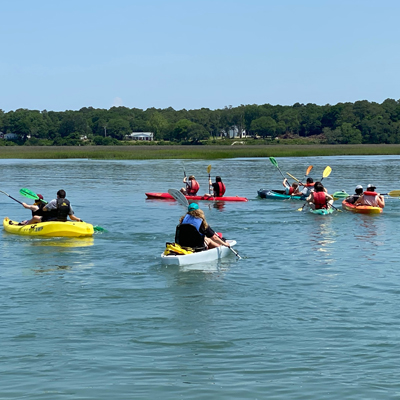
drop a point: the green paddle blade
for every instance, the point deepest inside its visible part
(273, 161)
(99, 229)
(29, 194)
(340, 195)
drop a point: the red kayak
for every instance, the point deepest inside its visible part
(163, 196)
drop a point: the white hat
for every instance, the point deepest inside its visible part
(359, 187)
(371, 186)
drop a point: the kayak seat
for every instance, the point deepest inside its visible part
(187, 235)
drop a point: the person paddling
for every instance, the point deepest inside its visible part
(319, 199)
(371, 198)
(354, 197)
(293, 189)
(37, 211)
(307, 189)
(196, 217)
(218, 187)
(192, 186)
(60, 208)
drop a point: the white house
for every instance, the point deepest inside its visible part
(141, 136)
(10, 136)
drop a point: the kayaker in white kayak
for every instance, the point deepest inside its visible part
(319, 199)
(371, 198)
(196, 217)
(354, 197)
(192, 186)
(60, 208)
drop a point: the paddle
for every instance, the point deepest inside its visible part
(11, 197)
(181, 199)
(393, 193)
(325, 174)
(275, 164)
(209, 179)
(310, 167)
(31, 195)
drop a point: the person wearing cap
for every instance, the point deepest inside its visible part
(354, 197)
(37, 210)
(192, 186)
(371, 198)
(196, 217)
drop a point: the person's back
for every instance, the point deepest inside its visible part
(59, 209)
(371, 198)
(219, 187)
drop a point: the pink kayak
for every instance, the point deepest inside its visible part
(167, 196)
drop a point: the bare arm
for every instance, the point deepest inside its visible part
(218, 240)
(30, 207)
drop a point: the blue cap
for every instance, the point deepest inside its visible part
(193, 206)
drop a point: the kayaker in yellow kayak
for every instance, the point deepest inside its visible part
(195, 217)
(60, 209)
(37, 211)
(371, 198)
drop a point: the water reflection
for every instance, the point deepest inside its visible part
(65, 242)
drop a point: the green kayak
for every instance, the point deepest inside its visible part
(322, 211)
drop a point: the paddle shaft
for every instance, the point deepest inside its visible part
(235, 253)
(11, 197)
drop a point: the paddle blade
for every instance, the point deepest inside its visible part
(309, 170)
(179, 197)
(327, 172)
(29, 194)
(99, 229)
(209, 169)
(394, 193)
(274, 162)
(287, 173)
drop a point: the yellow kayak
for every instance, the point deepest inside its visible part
(50, 228)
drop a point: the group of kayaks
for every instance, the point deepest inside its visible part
(341, 195)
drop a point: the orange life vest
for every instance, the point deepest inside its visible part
(194, 188)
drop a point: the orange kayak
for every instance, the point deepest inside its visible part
(361, 209)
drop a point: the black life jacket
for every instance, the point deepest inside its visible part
(63, 209)
(39, 211)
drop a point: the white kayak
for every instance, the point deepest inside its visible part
(200, 257)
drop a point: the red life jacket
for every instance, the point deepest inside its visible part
(222, 189)
(368, 193)
(309, 184)
(319, 200)
(291, 190)
(194, 188)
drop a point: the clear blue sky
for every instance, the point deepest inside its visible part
(191, 54)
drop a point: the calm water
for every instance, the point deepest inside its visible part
(312, 311)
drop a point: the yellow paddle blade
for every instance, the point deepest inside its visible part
(287, 173)
(327, 172)
(209, 169)
(394, 193)
(300, 209)
(309, 169)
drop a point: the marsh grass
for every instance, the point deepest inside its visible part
(191, 152)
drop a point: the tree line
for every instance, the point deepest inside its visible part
(352, 123)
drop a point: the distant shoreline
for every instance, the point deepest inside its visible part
(143, 152)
